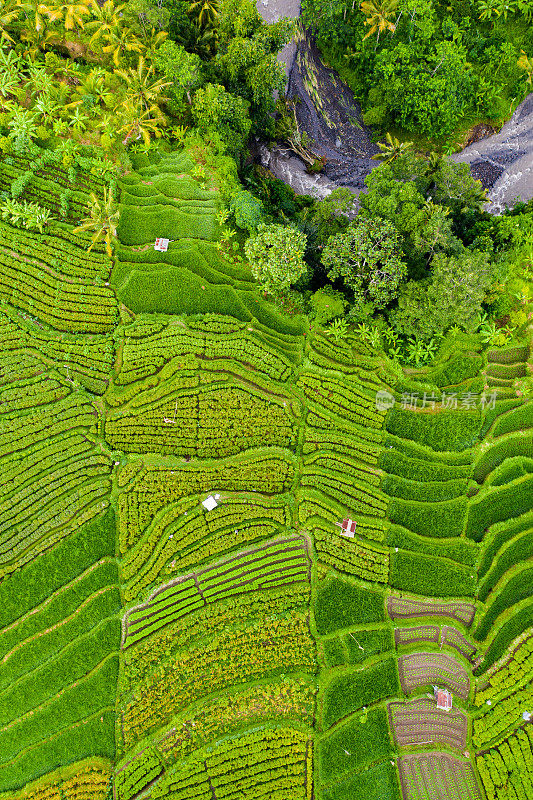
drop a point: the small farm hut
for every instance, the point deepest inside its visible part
(443, 698)
(211, 502)
(347, 527)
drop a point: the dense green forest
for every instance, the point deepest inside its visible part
(419, 259)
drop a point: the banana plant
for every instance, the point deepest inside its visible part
(338, 329)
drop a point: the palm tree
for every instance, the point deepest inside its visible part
(10, 76)
(379, 15)
(526, 64)
(103, 220)
(122, 40)
(391, 149)
(105, 19)
(205, 12)
(140, 123)
(111, 35)
(93, 91)
(72, 13)
(9, 12)
(34, 31)
(141, 87)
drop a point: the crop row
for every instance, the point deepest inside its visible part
(137, 774)
(236, 612)
(145, 355)
(66, 728)
(396, 462)
(267, 763)
(85, 359)
(32, 393)
(265, 648)
(158, 484)
(443, 431)
(507, 713)
(63, 256)
(212, 422)
(515, 670)
(343, 354)
(514, 586)
(315, 505)
(407, 608)
(425, 669)
(436, 776)
(345, 436)
(342, 443)
(430, 576)
(348, 467)
(85, 780)
(495, 504)
(417, 722)
(354, 557)
(224, 714)
(507, 771)
(350, 691)
(71, 307)
(354, 648)
(357, 495)
(341, 398)
(283, 562)
(517, 550)
(187, 536)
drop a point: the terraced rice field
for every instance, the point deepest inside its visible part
(151, 648)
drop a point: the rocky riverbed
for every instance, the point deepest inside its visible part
(327, 110)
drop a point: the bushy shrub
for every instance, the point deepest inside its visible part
(216, 111)
(248, 211)
(275, 254)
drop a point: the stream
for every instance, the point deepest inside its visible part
(328, 112)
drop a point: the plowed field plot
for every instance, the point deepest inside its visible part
(407, 608)
(420, 722)
(454, 638)
(423, 669)
(434, 776)
(422, 633)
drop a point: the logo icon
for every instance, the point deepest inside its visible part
(384, 400)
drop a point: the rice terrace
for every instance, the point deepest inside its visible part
(266, 519)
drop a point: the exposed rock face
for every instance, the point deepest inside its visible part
(504, 161)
